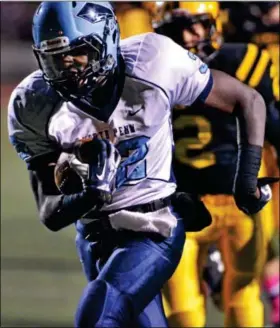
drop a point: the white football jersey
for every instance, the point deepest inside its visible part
(159, 74)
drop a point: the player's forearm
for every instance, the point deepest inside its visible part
(58, 212)
(251, 114)
(230, 95)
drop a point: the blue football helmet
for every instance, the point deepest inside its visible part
(76, 29)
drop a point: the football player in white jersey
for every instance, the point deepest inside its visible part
(120, 95)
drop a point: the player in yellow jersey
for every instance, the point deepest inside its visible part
(205, 161)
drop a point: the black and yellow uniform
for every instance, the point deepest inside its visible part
(205, 162)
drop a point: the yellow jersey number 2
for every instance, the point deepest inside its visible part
(198, 142)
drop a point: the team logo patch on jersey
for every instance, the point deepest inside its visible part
(192, 55)
(203, 68)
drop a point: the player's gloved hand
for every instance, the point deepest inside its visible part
(96, 162)
(253, 203)
(250, 193)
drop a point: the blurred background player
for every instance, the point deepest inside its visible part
(207, 152)
(204, 161)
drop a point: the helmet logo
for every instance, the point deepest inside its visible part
(95, 13)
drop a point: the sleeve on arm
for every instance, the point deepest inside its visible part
(183, 76)
(193, 79)
(27, 132)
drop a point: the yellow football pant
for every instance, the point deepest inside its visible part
(242, 241)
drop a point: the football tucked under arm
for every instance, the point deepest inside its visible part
(92, 164)
(72, 168)
(67, 191)
(56, 209)
(67, 180)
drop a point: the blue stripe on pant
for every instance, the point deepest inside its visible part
(127, 277)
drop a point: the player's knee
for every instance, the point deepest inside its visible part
(244, 294)
(102, 305)
(244, 281)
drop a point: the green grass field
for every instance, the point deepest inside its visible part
(41, 277)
